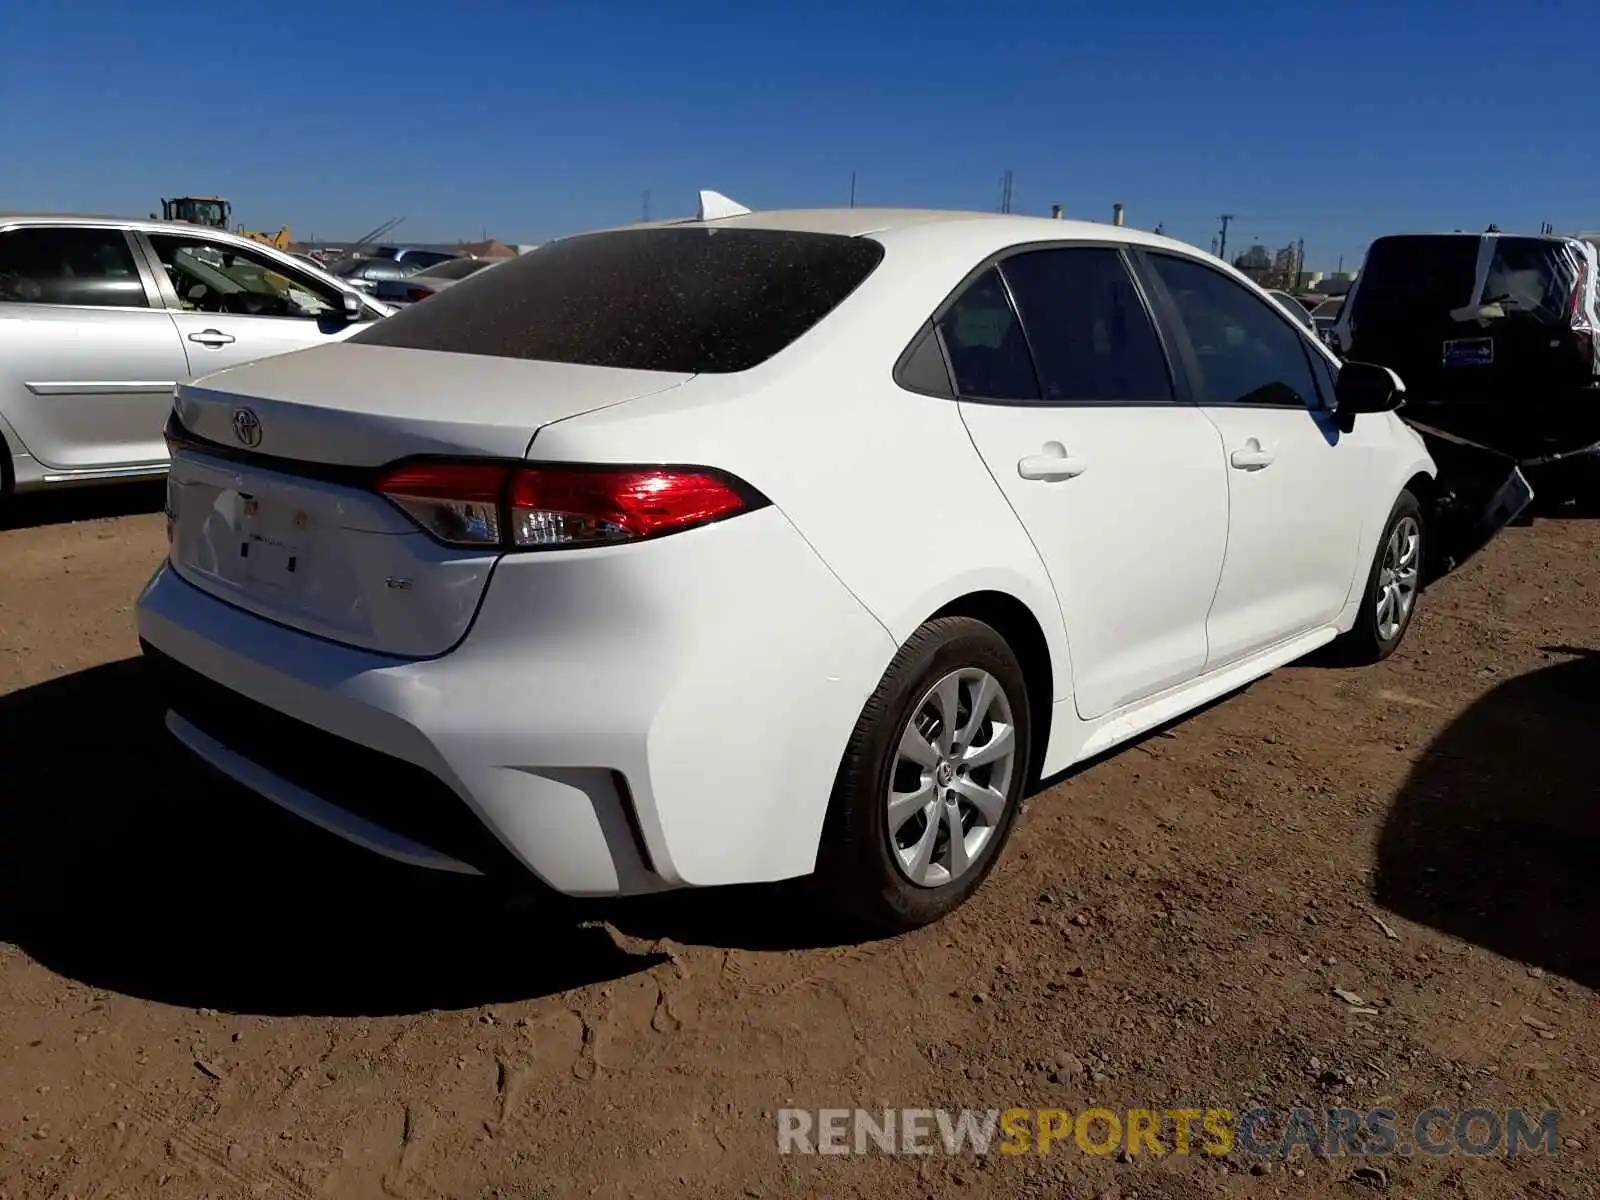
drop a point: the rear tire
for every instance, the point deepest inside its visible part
(1394, 581)
(942, 745)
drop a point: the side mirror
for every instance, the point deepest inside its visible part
(353, 308)
(1365, 388)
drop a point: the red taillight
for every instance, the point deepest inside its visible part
(1575, 303)
(415, 294)
(553, 507)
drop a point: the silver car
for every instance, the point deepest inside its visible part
(101, 318)
(431, 281)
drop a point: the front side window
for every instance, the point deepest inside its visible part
(1092, 340)
(216, 277)
(681, 299)
(1247, 352)
(985, 345)
(47, 265)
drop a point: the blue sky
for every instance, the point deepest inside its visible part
(1331, 121)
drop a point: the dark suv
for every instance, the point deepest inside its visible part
(1494, 336)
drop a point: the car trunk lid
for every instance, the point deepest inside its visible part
(271, 499)
(360, 405)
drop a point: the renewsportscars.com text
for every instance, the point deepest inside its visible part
(1263, 1132)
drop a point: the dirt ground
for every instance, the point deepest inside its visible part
(201, 997)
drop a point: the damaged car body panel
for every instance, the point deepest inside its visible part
(1478, 493)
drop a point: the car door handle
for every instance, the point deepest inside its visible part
(1252, 457)
(1053, 464)
(211, 337)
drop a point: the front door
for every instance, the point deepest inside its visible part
(1120, 486)
(233, 305)
(87, 361)
(1297, 486)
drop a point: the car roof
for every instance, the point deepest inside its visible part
(1468, 233)
(98, 221)
(960, 231)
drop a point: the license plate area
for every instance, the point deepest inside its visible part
(1468, 352)
(273, 541)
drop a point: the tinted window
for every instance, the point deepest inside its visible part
(984, 342)
(1532, 279)
(1247, 352)
(1091, 337)
(69, 266)
(217, 277)
(675, 299)
(1406, 280)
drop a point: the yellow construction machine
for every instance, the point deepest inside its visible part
(217, 213)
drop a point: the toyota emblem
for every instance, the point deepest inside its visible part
(247, 427)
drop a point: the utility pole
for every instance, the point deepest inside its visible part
(852, 189)
(1222, 238)
(1005, 191)
(646, 205)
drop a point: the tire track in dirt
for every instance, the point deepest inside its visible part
(176, 1135)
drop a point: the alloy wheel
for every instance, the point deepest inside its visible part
(951, 778)
(1398, 574)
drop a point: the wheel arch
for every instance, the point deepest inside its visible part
(1013, 620)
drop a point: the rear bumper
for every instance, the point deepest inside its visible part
(619, 721)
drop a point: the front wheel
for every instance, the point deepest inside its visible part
(931, 780)
(1393, 584)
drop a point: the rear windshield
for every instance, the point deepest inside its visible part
(1407, 278)
(1427, 278)
(1531, 278)
(681, 299)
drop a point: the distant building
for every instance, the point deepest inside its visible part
(1256, 262)
(1335, 283)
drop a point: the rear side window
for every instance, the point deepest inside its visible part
(985, 345)
(69, 266)
(1091, 337)
(682, 299)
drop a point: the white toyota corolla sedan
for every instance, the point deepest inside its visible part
(764, 545)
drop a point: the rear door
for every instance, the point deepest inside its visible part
(1119, 483)
(1297, 486)
(88, 357)
(234, 305)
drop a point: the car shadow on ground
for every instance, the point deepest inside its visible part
(127, 865)
(32, 509)
(1495, 834)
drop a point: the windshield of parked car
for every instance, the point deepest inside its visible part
(682, 299)
(456, 268)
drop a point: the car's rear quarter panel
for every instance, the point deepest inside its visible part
(884, 483)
